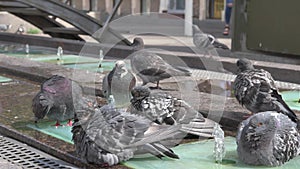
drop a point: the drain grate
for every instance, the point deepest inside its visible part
(26, 157)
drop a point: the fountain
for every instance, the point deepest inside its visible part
(59, 53)
(101, 57)
(219, 149)
(111, 100)
(27, 49)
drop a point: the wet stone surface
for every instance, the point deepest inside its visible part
(16, 99)
(16, 113)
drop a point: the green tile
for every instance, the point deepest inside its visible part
(4, 79)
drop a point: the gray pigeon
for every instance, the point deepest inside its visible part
(21, 29)
(205, 41)
(255, 89)
(5, 27)
(57, 99)
(152, 68)
(267, 138)
(137, 43)
(119, 83)
(165, 109)
(107, 136)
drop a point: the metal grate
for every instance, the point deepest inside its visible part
(22, 156)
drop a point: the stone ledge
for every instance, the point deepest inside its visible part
(39, 72)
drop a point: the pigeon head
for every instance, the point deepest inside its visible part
(196, 30)
(140, 92)
(244, 64)
(211, 38)
(121, 69)
(41, 104)
(138, 41)
(120, 64)
(264, 123)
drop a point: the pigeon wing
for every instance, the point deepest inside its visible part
(148, 63)
(162, 108)
(256, 90)
(116, 132)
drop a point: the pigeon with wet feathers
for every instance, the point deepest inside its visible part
(152, 68)
(165, 109)
(107, 136)
(268, 138)
(119, 83)
(57, 99)
(255, 89)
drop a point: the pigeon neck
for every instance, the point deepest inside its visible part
(244, 68)
(137, 102)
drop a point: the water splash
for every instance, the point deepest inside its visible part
(101, 57)
(219, 149)
(111, 100)
(59, 54)
(27, 49)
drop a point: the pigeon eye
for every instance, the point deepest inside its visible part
(259, 124)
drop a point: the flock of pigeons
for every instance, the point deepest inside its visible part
(271, 136)
(152, 121)
(5, 27)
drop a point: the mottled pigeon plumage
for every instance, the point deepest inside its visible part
(163, 108)
(107, 136)
(119, 83)
(267, 138)
(205, 41)
(57, 99)
(152, 68)
(255, 89)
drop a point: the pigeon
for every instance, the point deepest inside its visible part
(267, 138)
(57, 99)
(255, 89)
(205, 41)
(21, 29)
(164, 109)
(5, 27)
(107, 136)
(137, 43)
(119, 83)
(152, 68)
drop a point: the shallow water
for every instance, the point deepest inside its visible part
(16, 95)
(70, 61)
(16, 113)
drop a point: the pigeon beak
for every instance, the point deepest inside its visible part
(35, 119)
